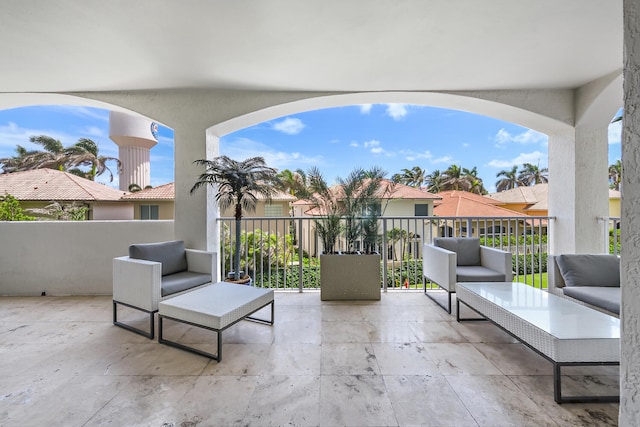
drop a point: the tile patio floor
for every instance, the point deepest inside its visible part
(399, 362)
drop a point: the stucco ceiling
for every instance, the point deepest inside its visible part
(324, 45)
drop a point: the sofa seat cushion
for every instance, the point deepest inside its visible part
(607, 298)
(476, 273)
(183, 281)
(589, 270)
(171, 255)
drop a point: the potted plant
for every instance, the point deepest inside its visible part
(238, 184)
(351, 208)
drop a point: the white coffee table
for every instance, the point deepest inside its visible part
(215, 307)
(560, 330)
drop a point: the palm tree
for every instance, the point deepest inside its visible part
(532, 174)
(510, 180)
(360, 193)
(456, 179)
(85, 153)
(326, 203)
(56, 156)
(476, 185)
(435, 181)
(239, 183)
(615, 175)
(293, 182)
(413, 177)
(15, 163)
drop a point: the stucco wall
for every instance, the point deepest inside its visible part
(68, 257)
(112, 211)
(630, 227)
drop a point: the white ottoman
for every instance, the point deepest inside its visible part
(214, 307)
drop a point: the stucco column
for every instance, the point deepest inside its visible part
(578, 191)
(191, 210)
(630, 227)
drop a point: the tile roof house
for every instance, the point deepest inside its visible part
(153, 203)
(489, 215)
(158, 203)
(398, 200)
(38, 188)
(533, 200)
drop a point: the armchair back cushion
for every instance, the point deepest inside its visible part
(171, 254)
(589, 270)
(467, 249)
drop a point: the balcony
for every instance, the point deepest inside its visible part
(398, 361)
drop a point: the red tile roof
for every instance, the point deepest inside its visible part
(463, 204)
(168, 192)
(161, 192)
(390, 190)
(536, 196)
(51, 184)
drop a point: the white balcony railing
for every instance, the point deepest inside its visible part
(283, 253)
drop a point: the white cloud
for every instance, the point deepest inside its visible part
(243, 148)
(411, 155)
(290, 126)
(93, 131)
(444, 159)
(365, 108)
(86, 112)
(529, 136)
(372, 143)
(397, 111)
(11, 135)
(353, 144)
(615, 132)
(535, 158)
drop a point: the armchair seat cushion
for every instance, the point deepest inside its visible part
(477, 273)
(182, 281)
(606, 297)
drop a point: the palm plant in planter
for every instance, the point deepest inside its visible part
(353, 208)
(238, 183)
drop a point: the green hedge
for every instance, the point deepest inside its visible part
(523, 262)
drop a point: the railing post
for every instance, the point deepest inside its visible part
(384, 254)
(300, 253)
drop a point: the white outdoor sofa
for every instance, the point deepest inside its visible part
(154, 272)
(588, 279)
(462, 259)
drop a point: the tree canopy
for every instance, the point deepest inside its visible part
(73, 159)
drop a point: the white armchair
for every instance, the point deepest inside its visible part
(156, 271)
(457, 259)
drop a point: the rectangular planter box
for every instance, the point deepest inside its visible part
(349, 277)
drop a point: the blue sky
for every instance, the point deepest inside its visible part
(392, 136)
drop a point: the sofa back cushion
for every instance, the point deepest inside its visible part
(589, 269)
(171, 254)
(466, 248)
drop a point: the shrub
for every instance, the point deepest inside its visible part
(522, 263)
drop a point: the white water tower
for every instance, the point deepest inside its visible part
(134, 137)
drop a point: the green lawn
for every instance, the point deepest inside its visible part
(528, 279)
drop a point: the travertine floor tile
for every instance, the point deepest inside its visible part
(355, 400)
(439, 407)
(494, 400)
(398, 361)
